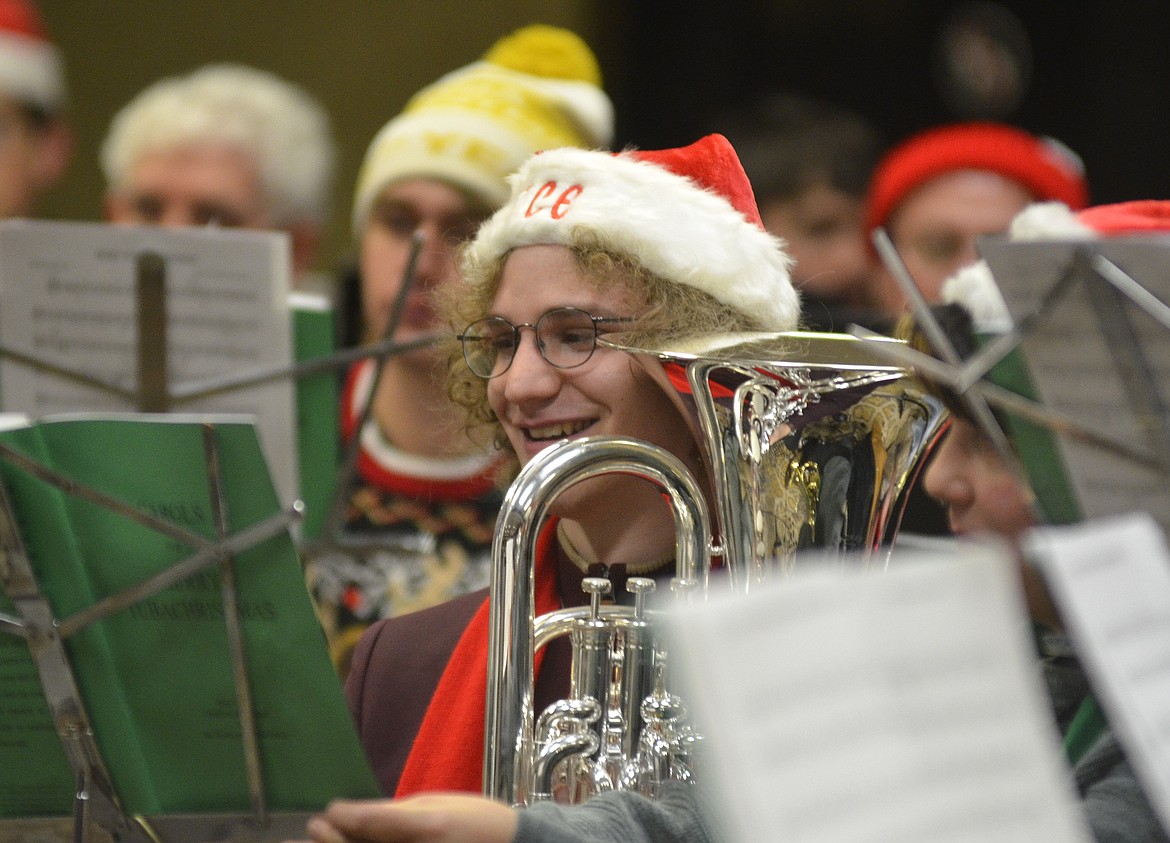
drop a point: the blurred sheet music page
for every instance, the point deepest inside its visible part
(1096, 355)
(67, 296)
(1111, 579)
(846, 706)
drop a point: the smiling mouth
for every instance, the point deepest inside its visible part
(555, 431)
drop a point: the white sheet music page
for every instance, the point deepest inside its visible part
(845, 706)
(1111, 580)
(67, 296)
(1096, 355)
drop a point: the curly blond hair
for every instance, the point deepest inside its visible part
(675, 309)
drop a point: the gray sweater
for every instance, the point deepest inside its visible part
(1115, 806)
(620, 817)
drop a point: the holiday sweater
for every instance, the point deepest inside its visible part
(417, 531)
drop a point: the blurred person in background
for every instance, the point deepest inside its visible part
(226, 145)
(809, 162)
(420, 511)
(938, 191)
(989, 493)
(36, 141)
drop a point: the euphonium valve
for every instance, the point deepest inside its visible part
(591, 737)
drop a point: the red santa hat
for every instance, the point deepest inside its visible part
(30, 66)
(1043, 166)
(973, 286)
(1141, 216)
(688, 215)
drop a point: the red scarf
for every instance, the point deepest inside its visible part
(448, 750)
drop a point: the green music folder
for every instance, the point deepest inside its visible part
(156, 677)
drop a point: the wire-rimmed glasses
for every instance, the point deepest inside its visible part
(565, 336)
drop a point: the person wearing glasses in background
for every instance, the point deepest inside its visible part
(589, 243)
(420, 510)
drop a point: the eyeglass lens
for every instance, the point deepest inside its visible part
(565, 337)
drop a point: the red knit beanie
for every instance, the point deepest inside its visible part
(1041, 165)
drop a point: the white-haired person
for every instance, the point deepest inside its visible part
(36, 141)
(421, 508)
(225, 145)
(588, 243)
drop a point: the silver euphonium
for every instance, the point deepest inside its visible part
(808, 440)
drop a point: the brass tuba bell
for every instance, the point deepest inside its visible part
(808, 439)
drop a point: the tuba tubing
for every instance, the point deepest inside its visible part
(508, 726)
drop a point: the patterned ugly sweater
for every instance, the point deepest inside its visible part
(417, 531)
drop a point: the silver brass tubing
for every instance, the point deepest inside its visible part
(508, 726)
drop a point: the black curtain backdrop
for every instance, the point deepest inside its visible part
(1099, 81)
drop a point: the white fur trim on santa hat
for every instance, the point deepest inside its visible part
(30, 71)
(669, 224)
(975, 289)
(1048, 221)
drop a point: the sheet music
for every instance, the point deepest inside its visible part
(844, 705)
(1111, 580)
(67, 296)
(1096, 355)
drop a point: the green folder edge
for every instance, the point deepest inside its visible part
(317, 412)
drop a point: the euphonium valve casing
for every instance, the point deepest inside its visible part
(514, 630)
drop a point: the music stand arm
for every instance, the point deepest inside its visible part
(95, 800)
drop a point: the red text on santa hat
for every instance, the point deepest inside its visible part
(557, 207)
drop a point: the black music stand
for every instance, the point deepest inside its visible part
(97, 809)
(154, 391)
(1091, 322)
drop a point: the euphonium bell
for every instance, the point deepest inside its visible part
(808, 439)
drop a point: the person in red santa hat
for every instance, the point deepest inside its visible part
(989, 493)
(36, 141)
(589, 243)
(938, 191)
(984, 495)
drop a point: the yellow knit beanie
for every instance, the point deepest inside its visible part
(537, 88)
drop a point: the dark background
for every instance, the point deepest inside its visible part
(1096, 76)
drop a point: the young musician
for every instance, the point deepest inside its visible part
(984, 494)
(588, 243)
